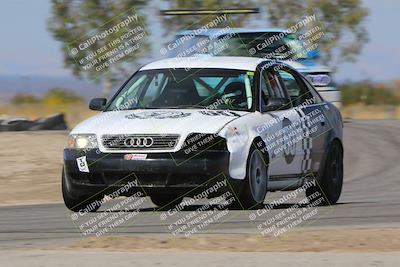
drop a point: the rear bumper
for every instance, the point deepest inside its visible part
(159, 173)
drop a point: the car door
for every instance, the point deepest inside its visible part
(281, 131)
(313, 121)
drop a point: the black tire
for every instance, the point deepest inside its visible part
(166, 200)
(331, 178)
(255, 186)
(87, 203)
(18, 125)
(53, 122)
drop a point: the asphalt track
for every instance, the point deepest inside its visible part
(370, 198)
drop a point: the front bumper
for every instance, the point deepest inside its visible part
(160, 173)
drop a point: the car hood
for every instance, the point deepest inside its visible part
(158, 121)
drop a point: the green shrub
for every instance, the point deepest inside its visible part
(60, 97)
(368, 93)
(23, 98)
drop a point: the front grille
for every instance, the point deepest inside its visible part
(140, 141)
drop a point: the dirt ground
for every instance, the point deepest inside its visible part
(30, 167)
(330, 240)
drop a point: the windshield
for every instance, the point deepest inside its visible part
(179, 88)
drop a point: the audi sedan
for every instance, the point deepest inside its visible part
(202, 127)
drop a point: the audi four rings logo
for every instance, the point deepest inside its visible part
(139, 142)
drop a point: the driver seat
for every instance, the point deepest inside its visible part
(175, 93)
(236, 91)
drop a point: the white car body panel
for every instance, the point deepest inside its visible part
(238, 143)
(116, 122)
(239, 128)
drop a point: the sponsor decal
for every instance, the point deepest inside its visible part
(158, 115)
(135, 156)
(82, 164)
(250, 73)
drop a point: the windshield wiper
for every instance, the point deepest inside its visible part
(176, 107)
(191, 106)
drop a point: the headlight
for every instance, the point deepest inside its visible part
(319, 79)
(82, 141)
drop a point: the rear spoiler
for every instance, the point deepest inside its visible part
(183, 12)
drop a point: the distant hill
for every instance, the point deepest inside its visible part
(38, 85)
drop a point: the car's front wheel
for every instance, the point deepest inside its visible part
(87, 203)
(255, 187)
(329, 187)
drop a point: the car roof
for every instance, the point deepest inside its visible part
(237, 63)
(223, 31)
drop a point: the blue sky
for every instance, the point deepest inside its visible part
(28, 49)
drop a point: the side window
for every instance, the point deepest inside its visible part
(296, 89)
(273, 81)
(315, 94)
(270, 86)
(264, 89)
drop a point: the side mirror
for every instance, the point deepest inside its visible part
(97, 103)
(275, 104)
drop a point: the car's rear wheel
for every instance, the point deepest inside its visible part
(166, 200)
(255, 187)
(86, 203)
(330, 184)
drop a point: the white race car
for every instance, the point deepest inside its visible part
(177, 126)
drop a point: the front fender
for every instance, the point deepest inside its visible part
(239, 136)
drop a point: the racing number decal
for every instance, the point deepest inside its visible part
(289, 146)
(306, 143)
(82, 164)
